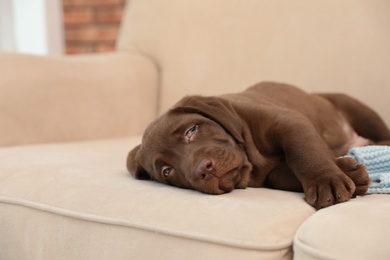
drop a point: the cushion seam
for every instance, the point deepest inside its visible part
(134, 224)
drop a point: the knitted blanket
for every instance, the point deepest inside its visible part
(377, 161)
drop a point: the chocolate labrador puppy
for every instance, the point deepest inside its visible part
(271, 135)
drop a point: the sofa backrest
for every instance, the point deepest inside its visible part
(220, 46)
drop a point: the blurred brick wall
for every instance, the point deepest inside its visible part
(91, 25)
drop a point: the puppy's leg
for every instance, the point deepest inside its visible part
(312, 162)
(282, 178)
(365, 121)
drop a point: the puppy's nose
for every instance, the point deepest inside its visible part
(205, 169)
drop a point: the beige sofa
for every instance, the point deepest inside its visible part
(67, 123)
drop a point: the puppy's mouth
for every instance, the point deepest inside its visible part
(229, 180)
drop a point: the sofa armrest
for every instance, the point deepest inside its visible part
(70, 98)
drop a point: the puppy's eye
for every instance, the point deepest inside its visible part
(166, 170)
(191, 131)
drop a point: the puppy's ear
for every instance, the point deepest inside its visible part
(216, 109)
(134, 166)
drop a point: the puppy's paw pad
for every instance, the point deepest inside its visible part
(327, 191)
(357, 172)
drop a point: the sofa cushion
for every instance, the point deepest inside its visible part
(67, 98)
(77, 201)
(359, 229)
(219, 46)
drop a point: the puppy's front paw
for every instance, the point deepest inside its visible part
(329, 190)
(357, 172)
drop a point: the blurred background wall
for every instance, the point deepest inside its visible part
(59, 27)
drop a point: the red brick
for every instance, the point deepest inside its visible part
(77, 48)
(86, 34)
(91, 25)
(78, 16)
(109, 15)
(91, 2)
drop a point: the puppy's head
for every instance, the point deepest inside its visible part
(198, 145)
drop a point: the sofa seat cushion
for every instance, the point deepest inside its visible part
(77, 201)
(359, 229)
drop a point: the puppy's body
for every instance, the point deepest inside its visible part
(271, 135)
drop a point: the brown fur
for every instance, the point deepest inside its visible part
(271, 135)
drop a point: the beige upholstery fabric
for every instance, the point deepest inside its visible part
(226, 46)
(54, 99)
(84, 205)
(358, 229)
